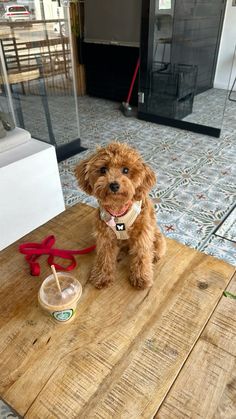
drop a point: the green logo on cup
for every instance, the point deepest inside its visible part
(63, 316)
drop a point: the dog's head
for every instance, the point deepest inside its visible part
(115, 174)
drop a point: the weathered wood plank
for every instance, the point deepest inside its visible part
(125, 348)
(206, 386)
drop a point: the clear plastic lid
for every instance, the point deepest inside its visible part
(71, 290)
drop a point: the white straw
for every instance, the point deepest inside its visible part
(56, 277)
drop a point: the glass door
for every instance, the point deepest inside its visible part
(36, 42)
(179, 50)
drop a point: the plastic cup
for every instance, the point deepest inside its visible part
(60, 306)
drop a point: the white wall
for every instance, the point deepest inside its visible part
(226, 51)
(51, 9)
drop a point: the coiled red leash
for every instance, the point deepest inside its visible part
(33, 251)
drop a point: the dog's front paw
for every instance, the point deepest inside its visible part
(100, 279)
(140, 282)
(159, 247)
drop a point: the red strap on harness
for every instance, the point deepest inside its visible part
(34, 250)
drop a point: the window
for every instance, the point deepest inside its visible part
(16, 9)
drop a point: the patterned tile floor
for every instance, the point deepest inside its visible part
(6, 412)
(208, 108)
(228, 228)
(195, 190)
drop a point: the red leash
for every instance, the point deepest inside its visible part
(34, 250)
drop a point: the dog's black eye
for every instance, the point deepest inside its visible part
(103, 170)
(125, 170)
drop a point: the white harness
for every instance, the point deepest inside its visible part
(120, 225)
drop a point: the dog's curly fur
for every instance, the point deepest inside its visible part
(146, 244)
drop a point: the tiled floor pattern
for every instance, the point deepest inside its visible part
(6, 412)
(228, 228)
(196, 174)
(208, 108)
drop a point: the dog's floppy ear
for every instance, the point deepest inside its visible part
(148, 182)
(82, 175)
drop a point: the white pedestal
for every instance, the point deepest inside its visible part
(30, 189)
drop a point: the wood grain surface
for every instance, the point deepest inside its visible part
(125, 348)
(206, 386)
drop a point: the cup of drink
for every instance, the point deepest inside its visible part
(59, 296)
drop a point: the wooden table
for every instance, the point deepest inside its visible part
(167, 352)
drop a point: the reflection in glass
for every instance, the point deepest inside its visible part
(7, 114)
(36, 44)
(183, 45)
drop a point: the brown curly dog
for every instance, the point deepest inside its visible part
(120, 180)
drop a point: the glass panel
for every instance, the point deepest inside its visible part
(36, 44)
(183, 46)
(232, 80)
(7, 115)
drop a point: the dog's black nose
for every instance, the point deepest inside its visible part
(114, 186)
